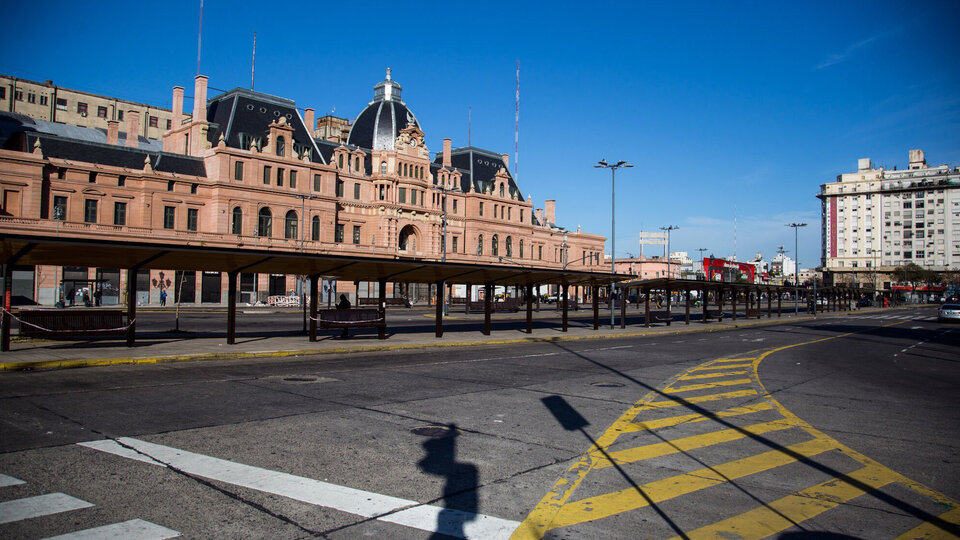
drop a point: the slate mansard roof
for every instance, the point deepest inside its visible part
(478, 168)
(377, 126)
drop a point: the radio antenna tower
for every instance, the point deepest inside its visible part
(253, 64)
(199, 37)
(516, 132)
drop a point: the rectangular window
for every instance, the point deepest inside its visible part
(62, 104)
(266, 174)
(293, 179)
(356, 234)
(356, 191)
(338, 233)
(82, 108)
(509, 213)
(169, 213)
(169, 123)
(119, 213)
(454, 206)
(93, 177)
(170, 185)
(31, 97)
(90, 211)
(316, 182)
(121, 180)
(44, 100)
(154, 121)
(18, 95)
(402, 195)
(193, 188)
(119, 113)
(3, 92)
(192, 215)
(280, 176)
(340, 189)
(481, 209)
(454, 244)
(238, 171)
(59, 208)
(101, 112)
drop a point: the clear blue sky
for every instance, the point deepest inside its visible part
(723, 107)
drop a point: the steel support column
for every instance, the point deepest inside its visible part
(382, 307)
(595, 291)
(487, 307)
(439, 329)
(529, 292)
(314, 287)
(231, 308)
(563, 320)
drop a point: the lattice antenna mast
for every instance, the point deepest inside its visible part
(253, 63)
(199, 37)
(516, 132)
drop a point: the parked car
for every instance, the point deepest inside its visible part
(865, 302)
(949, 312)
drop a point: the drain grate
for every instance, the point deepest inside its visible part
(435, 432)
(608, 384)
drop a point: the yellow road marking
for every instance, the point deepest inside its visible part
(610, 504)
(693, 418)
(674, 446)
(930, 530)
(698, 399)
(724, 360)
(704, 386)
(711, 375)
(805, 504)
(727, 366)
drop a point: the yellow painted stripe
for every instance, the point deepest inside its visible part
(726, 360)
(693, 418)
(930, 530)
(710, 375)
(698, 399)
(784, 513)
(705, 386)
(640, 453)
(610, 504)
(728, 366)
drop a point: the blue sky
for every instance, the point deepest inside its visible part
(725, 108)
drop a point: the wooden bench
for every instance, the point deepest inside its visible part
(508, 304)
(752, 313)
(660, 316)
(65, 322)
(400, 302)
(571, 305)
(713, 314)
(352, 318)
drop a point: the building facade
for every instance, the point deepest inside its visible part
(244, 169)
(874, 220)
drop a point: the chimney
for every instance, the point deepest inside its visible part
(200, 98)
(917, 161)
(113, 131)
(506, 160)
(177, 106)
(308, 119)
(550, 210)
(539, 214)
(133, 129)
(446, 152)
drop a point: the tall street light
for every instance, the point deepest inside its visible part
(602, 164)
(701, 250)
(443, 238)
(668, 229)
(796, 270)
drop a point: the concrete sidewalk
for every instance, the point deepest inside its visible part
(157, 348)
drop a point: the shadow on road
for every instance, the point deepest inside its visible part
(460, 484)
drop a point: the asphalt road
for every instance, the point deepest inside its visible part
(847, 426)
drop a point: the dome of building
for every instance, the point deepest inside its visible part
(378, 125)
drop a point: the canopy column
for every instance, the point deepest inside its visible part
(563, 319)
(733, 303)
(529, 292)
(7, 304)
(669, 313)
(595, 297)
(687, 311)
(769, 303)
(382, 308)
(440, 291)
(466, 302)
(314, 283)
(779, 303)
(705, 295)
(132, 306)
(487, 294)
(646, 308)
(231, 308)
(624, 294)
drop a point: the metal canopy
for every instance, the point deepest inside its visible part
(113, 254)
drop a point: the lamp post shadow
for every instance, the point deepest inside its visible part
(459, 496)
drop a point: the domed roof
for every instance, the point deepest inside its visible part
(380, 122)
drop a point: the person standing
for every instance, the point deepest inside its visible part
(96, 297)
(163, 297)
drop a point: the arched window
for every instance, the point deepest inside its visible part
(495, 245)
(521, 248)
(290, 225)
(509, 247)
(237, 223)
(356, 163)
(405, 169)
(264, 222)
(281, 146)
(315, 229)
(480, 245)
(340, 161)
(501, 190)
(383, 167)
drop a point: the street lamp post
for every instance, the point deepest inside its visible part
(701, 250)
(443, 238)
(602, 164)
(668, 229)
(302, 279)
(796, 270)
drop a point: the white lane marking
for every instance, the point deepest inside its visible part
(10, 481)
(345, 499)
(135, 529)
(41, 505)
(916, 327)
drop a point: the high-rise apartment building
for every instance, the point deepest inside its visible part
(875, 220)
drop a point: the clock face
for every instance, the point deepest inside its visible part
(413, 142)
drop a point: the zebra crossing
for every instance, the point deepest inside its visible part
(706, 434)
(47, 504)
(896, 317)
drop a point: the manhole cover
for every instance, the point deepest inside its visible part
(300, 379)
(608, 384)
(433, 431)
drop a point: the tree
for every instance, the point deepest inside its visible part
(911, 274)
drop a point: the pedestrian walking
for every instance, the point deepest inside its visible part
(344, 303)
(96, 297)
(163, 298)
(72, 296)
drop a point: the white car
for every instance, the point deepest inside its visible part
(949, 312)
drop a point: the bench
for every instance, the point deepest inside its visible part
(661, 316)
(713, 314)
(352, 318)
(571, 305)
(64, 322)
(398, 301)
(752, 313)
(508, 304)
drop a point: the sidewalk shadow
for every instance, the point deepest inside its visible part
(460, 488)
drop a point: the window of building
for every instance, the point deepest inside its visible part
(193, 189)
(31, 97)
(454, 206)
(238, 171)
(265, 222)
(154, 121)
(454, 245)
(280, 176)
(402, 195)
(339, 188)
(61, 104)
(82, 108)
(119, 213)
(119, 113)
(266, 174)
(192, 217)
(44, 100)
(356, 164)
(92, 178)
(356, 234)
(3, 92)
(509, 246)
(316, 182)
(293, 179)
(315, 229)
(18, 95)
(481, 208)
(356, 191)
(495, 245)
(383, 167)
(509, 213)
(340, 161)
(236, 223)
(540, 253)
(480, 245)
(59, 208)
(169, 123)
(290, 225)
(170, 185)
(521, 248)
(281, 146)
(338, 233)
(90, 211)
(169, 213)
(501, 190)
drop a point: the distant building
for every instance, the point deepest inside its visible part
(782, 265)
(875, 220)
(648, 267)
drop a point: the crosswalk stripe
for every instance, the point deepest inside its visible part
(705, 386)
(6, 481)
(41, 505)
(610, 504)
(710, 375)
(386, 508)
(697, 399)
(784, 513)
(931, 530)
(694, 418)
(135, 529)
(640, 453)
(728, 366)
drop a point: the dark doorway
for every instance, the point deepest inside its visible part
(21, 294)
(278, 285)
(210, 288)
(185, 287)
(143, 287)
(108, 282)
(248, 288)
